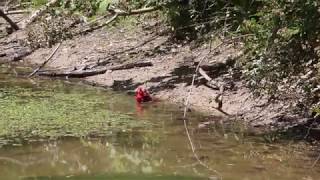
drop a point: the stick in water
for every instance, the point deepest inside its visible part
(186, 104)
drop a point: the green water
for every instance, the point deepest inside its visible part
(53, 129)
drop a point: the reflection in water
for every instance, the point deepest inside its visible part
(159, 151)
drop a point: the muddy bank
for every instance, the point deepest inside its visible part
(170, 76)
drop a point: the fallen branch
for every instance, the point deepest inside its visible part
(219, 97)
(92, 72)
(211, 82)
(12, 24)
(98, 26)
(134, 12)
(186, 105)
(74, 74)
(17, 12)
(46, 61)
(38, 13)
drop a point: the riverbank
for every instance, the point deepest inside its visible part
(170, 76)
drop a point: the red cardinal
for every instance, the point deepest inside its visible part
(142, 95)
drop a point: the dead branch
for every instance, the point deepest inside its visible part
(17, 12)
(92, 72)
(38, 13)
(12, 24)
(46, 61)
(186, 105)
(210, 82)
(133, 12)
(74, 74)
(219, 97)
(316, 161)
(90, 29)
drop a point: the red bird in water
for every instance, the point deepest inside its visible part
(142, 95)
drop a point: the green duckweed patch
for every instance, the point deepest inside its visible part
(32, 114)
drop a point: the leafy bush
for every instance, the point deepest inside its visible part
(283, 44)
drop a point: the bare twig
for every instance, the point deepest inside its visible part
(310, 127)
(134, 12)
(316, 161)
(46, 61)
(211, 83)
(219, 97)
(17, 12)
(90, 29)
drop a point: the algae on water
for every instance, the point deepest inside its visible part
(28, 114)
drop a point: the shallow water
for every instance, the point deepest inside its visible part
(149, 143)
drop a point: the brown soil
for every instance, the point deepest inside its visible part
(171, 74)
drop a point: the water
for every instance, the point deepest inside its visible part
(149, 142)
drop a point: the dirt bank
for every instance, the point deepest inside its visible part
(170, 76)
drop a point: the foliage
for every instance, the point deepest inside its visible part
(316, 111)
(283, 42)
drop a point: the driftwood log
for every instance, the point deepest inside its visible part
(92, 72)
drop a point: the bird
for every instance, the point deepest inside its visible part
(142, 95)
